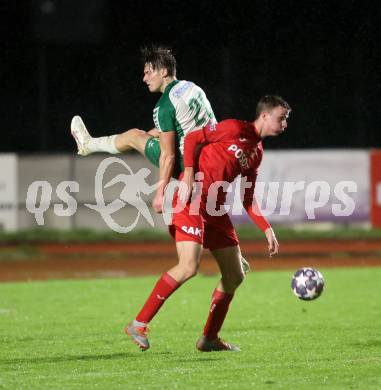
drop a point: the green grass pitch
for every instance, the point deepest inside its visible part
(68, 335)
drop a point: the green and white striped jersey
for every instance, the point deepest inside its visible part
(183, 107)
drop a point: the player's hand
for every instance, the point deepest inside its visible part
(157, 203)
(272, 241)
(186, 185)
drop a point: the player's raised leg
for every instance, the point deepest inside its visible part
(133, 139)
(113, 144)
(229, 262)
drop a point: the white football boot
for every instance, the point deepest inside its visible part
(138, 334)
(81, 135)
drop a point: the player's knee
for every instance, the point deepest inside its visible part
(239, 278)
(132, 138)
(190, 270)
(234, 280)
(132, 133)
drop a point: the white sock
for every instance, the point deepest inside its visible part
(103, 144)
(139, 324)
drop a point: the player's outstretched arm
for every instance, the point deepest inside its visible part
(192, 142)
(166, 165)
(272, 241)
(186, 185)
(256, 215)
(252, 208)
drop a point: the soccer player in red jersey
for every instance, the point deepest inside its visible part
(229, 149)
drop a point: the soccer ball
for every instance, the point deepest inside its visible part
(307, 284)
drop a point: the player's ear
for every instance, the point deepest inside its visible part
(164, 72)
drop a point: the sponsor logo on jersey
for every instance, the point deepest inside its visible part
(192, 230)
(211, 126)
(239, 155)
(178, 92)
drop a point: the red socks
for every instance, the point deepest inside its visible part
(165, 286)
(217, 313)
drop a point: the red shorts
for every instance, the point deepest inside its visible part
(213, 232)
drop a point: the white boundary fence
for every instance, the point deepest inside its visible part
(304, 181)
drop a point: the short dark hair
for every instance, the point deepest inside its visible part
(159, 57)
(269, 102)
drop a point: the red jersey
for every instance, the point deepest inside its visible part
(228, 149)
(232, 145)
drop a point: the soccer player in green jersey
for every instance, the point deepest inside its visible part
(182, 108)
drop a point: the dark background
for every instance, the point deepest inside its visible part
(65, 57)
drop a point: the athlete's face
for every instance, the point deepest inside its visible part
(154, 78)
(275, 121)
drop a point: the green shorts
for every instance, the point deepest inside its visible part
(152, 152)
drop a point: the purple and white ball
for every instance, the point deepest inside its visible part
(307, 284)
